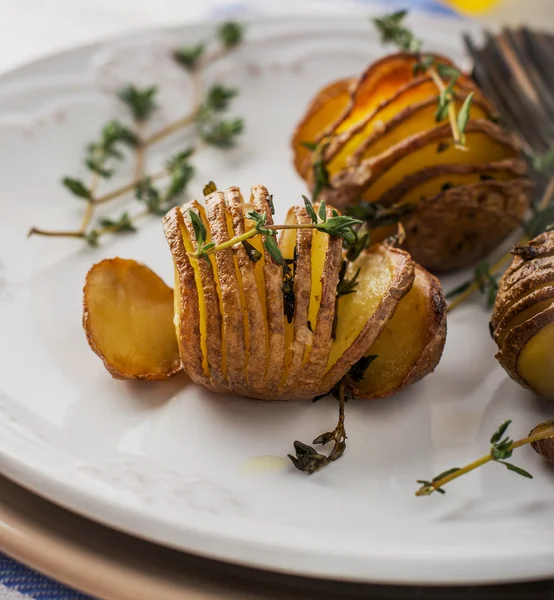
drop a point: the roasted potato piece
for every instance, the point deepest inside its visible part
(523, 322)
(128, 320)
(388, 148)
(411, 344)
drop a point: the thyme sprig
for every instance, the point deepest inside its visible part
(306, 458)
(393, 30)
(501, 448)
(340, 226)
(116, 137)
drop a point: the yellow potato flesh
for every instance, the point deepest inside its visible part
(354, 310)
(401, 343)
(535, 363)
(482, 150)
(420, 121)
(189, 247)
(129, 320)
(246, 324)
(333, 100)
(320, 243)
(435, 185)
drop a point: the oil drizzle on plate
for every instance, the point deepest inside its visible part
(265, 464)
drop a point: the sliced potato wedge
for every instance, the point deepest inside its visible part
(211, 326)
(411, 344)
(386, 276)
(128, 319)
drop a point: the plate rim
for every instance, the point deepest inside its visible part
(124, 517)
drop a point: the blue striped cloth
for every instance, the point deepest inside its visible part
(17, 582)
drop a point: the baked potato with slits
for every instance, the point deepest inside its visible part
(522, 322)
(237, 328)
(379, 141)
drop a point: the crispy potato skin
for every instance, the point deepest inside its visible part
(461, 225)
(523, 314)
(382, 146)
(433, 331)
(106, 284)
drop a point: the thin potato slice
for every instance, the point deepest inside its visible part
(434, 179)
(386, 276)
(188, 302)
(513, 289)
(210, 319)
(325, 107)
(273, 279)
(385, 90)
(411, 120)
(312, 375)
(411, 344)
(128, 320)
(522, 310)
(380, 81)
(255, 368)
(229, 283)
(485, 140)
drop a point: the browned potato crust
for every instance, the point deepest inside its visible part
(255, 370)
(188, 325)
(517, 167)
(436, 245)
(229, 284)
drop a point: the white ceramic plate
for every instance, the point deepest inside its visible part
(171, 462)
